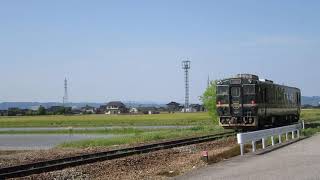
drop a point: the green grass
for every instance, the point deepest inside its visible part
(202, 121)
(310, 115)
(203, 128)
(177, 119)
(145, 137)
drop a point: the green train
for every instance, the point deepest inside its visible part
(247, 102)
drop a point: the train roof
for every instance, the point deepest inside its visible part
(252, 79)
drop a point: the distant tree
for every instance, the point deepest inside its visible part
(60, 110)
(67, 110)
(209, 100)
(41, 110)
(29, 113)
(13, 111)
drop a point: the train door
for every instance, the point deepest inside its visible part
(236, 101)
(262, 113)
(264, 102)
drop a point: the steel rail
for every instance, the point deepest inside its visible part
(59, 164)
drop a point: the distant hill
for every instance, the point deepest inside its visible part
(35, 105)
(314, 100)
(310, 100)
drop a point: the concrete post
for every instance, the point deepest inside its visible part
(280, 140)
(292, 134)
(272, 140)
(253, 146)
(263, 143)
(298, 134)
(287, 138)
(241, 149)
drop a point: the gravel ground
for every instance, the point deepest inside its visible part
(156, 165)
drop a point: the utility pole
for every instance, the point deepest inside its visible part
(65, 97)
(186, 66)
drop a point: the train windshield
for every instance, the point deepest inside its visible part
(249, 89)
(235, 91)
(222, 90)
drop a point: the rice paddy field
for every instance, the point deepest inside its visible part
(199, 124)
(127, 125)
(310, 115)
(176, 119)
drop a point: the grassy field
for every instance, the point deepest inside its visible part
(202, 123)
(145, 137)
(177, 119)
(205, 128)
(310, 115)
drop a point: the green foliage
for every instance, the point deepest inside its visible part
(41, 110)
(209, 100)
(13, 111)
(310, 131)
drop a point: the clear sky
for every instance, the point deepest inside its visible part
(132, 50)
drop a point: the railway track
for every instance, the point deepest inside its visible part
(58, 164)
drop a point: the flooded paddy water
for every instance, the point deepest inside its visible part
(42, 141)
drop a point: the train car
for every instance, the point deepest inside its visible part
(247, 102)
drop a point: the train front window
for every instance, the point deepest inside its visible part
(223, 90)
(249, 89)
(235, 91)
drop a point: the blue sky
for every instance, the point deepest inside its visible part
(132, 50)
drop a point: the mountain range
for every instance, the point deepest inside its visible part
(35, 105)
(310, 100)
(305, 100)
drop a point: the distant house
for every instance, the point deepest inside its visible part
(76, 111)
(149, 110)
(173, 106)
(59, 110)
(3, 112)
(88, 109)
(197, 107)
(153, 112)
(101, 109)
(133, 110)
(115, 107)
